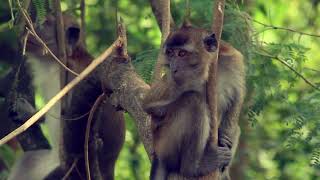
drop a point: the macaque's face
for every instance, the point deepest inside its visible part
(188, 52)
(47, 32)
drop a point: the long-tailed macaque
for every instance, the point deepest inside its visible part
(46, 163)
(179, 109)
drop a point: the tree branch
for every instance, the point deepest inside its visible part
(88, 128)
(212, 96)
(271, 27)
(158, 13)
(128, 91)
(266, 54)
(164, 11)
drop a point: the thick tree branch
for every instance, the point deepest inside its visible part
(164, 8)
(158, 13)
(60, 31)
(128, 91)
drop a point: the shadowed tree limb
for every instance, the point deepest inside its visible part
(212, 96)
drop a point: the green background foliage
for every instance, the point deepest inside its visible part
(280, 121)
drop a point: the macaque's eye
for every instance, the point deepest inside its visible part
(170, 52)
(182, 53)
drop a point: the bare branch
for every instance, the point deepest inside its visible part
(158, 13)
(86, 140)
(267, 54)
(271, 27)
(165, 30)
(61, 44)
(218, 9)
(65, 177)
(60, 31)
(61, 93)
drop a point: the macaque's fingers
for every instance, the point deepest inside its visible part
(220, 156)
(224, 156)
(225, 141)
(21, 110)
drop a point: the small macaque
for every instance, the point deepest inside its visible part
(179, 109)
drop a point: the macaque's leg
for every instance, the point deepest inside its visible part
(229, 132)
(231, 143)
(214, 158)
(158, 170)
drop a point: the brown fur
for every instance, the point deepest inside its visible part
(112, 131)
(177, 104)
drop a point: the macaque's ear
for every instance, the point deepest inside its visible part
(210, 43)
(73, 35)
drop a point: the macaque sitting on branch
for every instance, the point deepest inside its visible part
(179, 109)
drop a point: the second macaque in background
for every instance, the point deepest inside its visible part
(45, 73)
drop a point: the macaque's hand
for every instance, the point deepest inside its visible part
(223, 156)
(215, 157)
(224, 141)
(21, 110)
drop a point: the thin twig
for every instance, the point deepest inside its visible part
(267, 54)
(271, 27)
(70, 169)
(69, 119)
(79, 173)
(61, 93)
(87, 135)
(34, 34)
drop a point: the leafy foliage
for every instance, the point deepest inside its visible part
(145, 62)
(41, 10)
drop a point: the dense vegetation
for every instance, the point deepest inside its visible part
(281, 118)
